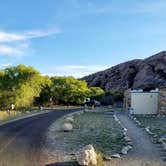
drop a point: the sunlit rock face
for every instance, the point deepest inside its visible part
(135, 74)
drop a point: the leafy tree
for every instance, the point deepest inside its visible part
(24, 86)
(68, 90)
(45, 97)
(96, 92)
(19, 85)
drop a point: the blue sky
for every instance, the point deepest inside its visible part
(79, 37)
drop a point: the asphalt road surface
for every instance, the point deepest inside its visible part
(21, 141)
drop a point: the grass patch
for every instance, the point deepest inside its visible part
(6, 116)
(97, 128)
(157, 124)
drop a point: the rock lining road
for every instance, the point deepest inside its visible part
(21, 141)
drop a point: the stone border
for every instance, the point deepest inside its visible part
(129, 144)
(161, 141)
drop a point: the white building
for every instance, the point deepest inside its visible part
(142, 102)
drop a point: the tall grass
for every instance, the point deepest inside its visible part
(5, 115)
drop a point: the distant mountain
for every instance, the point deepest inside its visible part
(135, 74)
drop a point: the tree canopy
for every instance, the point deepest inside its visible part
(19, 85)
(23, 86)
(68, 90)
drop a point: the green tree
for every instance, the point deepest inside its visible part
(20, 85)
(68, 90)
(96, 92)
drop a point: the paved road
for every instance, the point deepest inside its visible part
(21, 141)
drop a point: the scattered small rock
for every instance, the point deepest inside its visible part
(116, 155)
(164, 146)
(107, 158)
(124, 133)
(127, 139)
(126, 149)
(130, 143)
(116, 119)
(162, 140)
(124, 129)
(148, 130)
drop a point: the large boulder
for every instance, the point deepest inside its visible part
(87, 156)
(67, 127)
(69, 119)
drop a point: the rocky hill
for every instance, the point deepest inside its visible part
(135, 74)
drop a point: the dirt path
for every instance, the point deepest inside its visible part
(144, 152)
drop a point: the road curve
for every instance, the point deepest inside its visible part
(21, 141)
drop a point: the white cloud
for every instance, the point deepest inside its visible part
(11, 36)
(77, 71)
(10, 51)
(4, 65)
(14, 44)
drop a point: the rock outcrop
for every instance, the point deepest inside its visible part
(135, 74)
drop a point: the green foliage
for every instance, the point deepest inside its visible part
(111, 97)
(117, 94)
(68, 90)
(24, 86)
(96, 92)
(19, 85)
